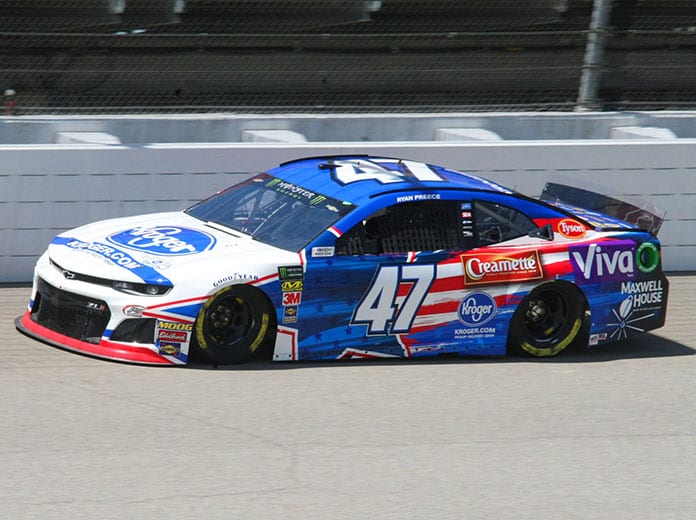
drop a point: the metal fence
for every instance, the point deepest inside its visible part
(136, 56)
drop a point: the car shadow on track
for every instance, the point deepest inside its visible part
(643, 346)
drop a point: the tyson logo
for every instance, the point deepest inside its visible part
(570, 228)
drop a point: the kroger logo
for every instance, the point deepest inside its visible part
(163, 240)
(477, 308)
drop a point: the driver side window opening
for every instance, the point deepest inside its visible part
(434, 226)
(413, 226)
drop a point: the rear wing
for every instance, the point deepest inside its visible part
(632, 210)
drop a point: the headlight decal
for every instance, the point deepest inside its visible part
(141, 288)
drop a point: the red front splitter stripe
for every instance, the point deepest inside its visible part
(105, 349)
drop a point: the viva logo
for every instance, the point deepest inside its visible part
(604, 262)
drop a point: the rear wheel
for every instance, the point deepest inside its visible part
(548, 320)
(233, 324)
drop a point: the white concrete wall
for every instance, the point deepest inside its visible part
(399, 127)
(45, 189)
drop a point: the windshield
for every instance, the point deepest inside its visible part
(272, 211)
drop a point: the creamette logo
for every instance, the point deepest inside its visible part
(490, 268)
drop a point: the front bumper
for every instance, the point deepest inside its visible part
(103, 349)
(82, 318)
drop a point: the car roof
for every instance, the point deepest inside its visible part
(324, 175)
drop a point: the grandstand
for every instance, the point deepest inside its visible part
(329, 56)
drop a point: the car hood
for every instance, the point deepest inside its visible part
(161, 248)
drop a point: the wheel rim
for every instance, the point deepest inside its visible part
(228, 320)
(545, 317)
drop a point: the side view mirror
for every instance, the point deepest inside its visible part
(544, 232)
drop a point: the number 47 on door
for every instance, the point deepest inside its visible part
(390, 304)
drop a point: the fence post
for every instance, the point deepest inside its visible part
(594, 56)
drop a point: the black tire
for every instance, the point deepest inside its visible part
(233, 324)
(548, 321)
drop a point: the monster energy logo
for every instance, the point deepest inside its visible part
(291, 272)
(293, 190)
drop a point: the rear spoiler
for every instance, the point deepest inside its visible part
(639, 213)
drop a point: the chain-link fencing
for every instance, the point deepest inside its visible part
(320, 56)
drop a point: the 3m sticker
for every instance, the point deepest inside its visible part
(292, 298)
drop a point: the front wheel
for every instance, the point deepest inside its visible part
(548, 320)
(233, 324)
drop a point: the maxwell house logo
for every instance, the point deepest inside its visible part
(608, 261)
(487, 268)
(163, 240)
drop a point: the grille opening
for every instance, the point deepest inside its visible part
(135, 330)
(70, 314)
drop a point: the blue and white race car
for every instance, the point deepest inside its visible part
(351, 257)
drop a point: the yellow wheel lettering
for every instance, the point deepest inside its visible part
(262, 332)
(200, 337)
(200, 325)
(243, 299)
(558, 347)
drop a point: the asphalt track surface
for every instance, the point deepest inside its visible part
(598, 434)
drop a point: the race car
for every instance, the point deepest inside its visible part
(343, 257)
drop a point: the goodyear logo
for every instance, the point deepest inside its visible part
(170, 325)
(291, 285)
